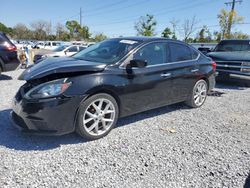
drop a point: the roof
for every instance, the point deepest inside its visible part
(236, 40)
(143, 38)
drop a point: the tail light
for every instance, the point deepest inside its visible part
(214, 65)
(9, 47)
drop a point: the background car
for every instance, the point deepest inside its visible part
(232, 57)
(60, 51)
(8, 54)
(115, 78)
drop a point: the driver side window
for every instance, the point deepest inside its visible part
(153, 54)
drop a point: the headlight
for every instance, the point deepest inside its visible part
(246, 64)
(44, 56)
(49, 89)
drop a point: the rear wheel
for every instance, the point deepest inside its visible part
(199, 94)
(97, 116)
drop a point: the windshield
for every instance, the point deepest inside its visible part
(109, 51)
(231, 46)
(60, 48)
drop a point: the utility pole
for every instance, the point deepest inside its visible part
(231, 14)
(81, 16)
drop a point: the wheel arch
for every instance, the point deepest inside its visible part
(206, 80)
(98, 91)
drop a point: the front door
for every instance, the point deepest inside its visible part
(149, 87)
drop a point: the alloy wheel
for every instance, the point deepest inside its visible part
(200, 93)
(99, 117)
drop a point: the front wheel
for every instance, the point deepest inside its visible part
(97, 116)
(199, 94)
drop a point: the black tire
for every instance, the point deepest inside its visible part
(81, 128)
(191, 99)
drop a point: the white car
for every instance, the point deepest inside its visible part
(51, 45)
(60, 51)
(65, 51)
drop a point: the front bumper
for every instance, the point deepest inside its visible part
(54, 116)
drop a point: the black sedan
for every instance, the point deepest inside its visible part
(119, 77)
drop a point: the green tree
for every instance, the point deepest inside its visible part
(76, 31)
(167, 33)
(5, 29)
(73, 27)
(204, 35)
(239, 35)
(224, 18)
(146, 26)
(100, 37)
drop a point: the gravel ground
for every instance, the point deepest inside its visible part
(173, 146)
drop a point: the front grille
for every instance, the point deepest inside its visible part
(229, 65)
(19, 121)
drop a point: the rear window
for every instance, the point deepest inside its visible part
(231, 46)
(180, 52)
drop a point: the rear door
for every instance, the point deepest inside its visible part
(184, 72)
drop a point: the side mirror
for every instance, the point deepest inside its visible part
(138, 63)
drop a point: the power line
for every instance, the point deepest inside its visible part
(118, 9)
(165, 12)
(107, 5)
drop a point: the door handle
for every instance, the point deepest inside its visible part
(194, 70)
(165, 75)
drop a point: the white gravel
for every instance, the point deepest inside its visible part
(168, 147)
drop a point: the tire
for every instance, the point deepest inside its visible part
(92, 111)
(198, 95)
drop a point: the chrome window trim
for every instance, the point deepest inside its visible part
(170, 63)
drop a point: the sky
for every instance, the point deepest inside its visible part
(117, 17)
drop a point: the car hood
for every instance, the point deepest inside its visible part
(51, 66)
(230, 56)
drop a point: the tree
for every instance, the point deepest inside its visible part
(146, 26)
(100, 37)
(61, 33)
(84, 32)
(167, 33)
(239, 35)
(5, 29)
(76, 31)
(21, 31)
(224, 20)
(39, 28)
(174, 24)
(189, 27)
(73, 27)
(204, 35)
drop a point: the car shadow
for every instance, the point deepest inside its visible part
(12, 138)
(5, 77)
(247, 182)
(151, 113)
(234, 83)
